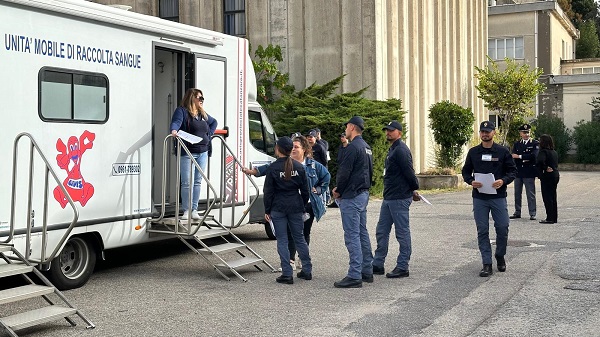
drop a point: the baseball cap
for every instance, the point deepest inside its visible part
(393, 125)
(487, 126)
(285, 144)
(311, 133)
(356, 120)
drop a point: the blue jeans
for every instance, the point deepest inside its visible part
(529, 192)
(481, 212)
(396, 212)
(356, 237)
(185, 167)
(281, 222)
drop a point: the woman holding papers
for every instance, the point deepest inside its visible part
(191, 118)
(547, 164)
(286, 195)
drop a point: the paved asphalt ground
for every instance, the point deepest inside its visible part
(551, 286)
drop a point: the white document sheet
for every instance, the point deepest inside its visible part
(424, 200)
(188, 137)
(487, 179)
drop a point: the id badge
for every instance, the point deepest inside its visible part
(486, 157)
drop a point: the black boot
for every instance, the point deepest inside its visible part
(486, 271)
(500, 263)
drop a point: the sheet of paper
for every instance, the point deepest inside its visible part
(188, 137)
(487, 179)
(424, 199)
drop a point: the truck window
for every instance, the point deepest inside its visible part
(262, 135)
(72, 96)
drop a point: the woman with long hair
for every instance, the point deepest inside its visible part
(191, 117)
(285, 198)
(318, 182)
(547, 164)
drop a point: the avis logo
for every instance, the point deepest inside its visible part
(69, 159)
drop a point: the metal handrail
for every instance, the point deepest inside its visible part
(234, 187)
(48, 170)
(210, 201)
(181, 145)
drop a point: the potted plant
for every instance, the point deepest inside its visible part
(452, 127)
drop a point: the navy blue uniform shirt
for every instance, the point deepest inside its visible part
(526, 164)
(286, 196)
(355, 169)
(399, 179)
(496, 160)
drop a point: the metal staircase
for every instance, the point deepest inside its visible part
(57, 306)
(15, 263)
(222, 249)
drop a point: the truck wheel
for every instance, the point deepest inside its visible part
(269, 231)
(74, 265)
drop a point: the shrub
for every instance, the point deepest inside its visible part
(318, 106)
(587, 139)
(452, 128)
(552, 125)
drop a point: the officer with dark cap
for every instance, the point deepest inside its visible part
(286, 194)
(400, 187)
(525, 152)
(344, 142)
(354, 177)
(482, 160)
(319, 153)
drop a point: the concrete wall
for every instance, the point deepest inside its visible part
(419, 51)
(575, 102)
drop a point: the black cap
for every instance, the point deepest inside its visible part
(356, 120)
(487, 126)
(317, 129)
(525, 128)
(393, 125)
(311, 133)
(285, 144)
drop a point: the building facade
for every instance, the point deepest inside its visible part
(421, 52)
(536, 33)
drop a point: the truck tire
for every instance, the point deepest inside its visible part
(269, 231)
(74, 265)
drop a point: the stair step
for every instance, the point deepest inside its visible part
(24, 292)
(5, 248)
(225, 247)
(239, 263)
(37, 316)
(205, 233)
(14, 269)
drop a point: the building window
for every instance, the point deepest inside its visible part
(235, 17)
(511, 47)
(585, 70)
(72, 96)
(168, 10)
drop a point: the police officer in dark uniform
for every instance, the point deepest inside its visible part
(286, 196)
(525, 152)
(489, 195)
(319, 152)
(354, 176)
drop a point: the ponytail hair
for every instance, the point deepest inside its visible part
(289, 165)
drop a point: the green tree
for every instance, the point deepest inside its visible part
(588, 45)
(452, 128)
(270, 81)
(587, 139)
(554, 126)
(319, 106)
(585, 10)
(510, 92)
(596, 110)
